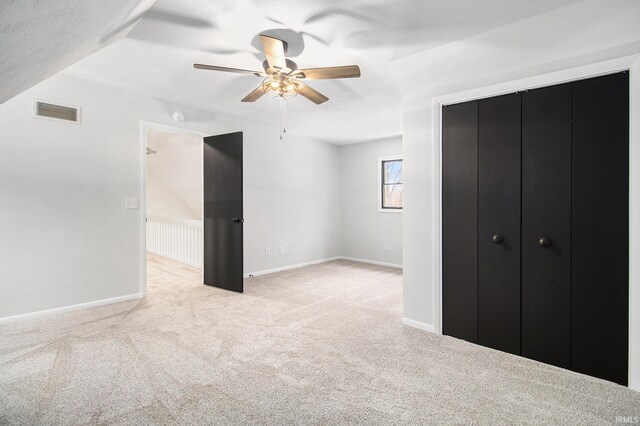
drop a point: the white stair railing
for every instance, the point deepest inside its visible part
(177, 239)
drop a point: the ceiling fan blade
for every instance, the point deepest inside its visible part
(312, 94)
(225, 69)
(325, 73)
(274, 51)
(255, 95)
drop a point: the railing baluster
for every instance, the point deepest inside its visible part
(180, 240)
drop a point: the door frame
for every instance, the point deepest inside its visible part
(144, 127)
(631, 64)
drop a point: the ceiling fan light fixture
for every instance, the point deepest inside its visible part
(280, 86)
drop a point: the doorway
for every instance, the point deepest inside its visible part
(174, 198)
(193, 204)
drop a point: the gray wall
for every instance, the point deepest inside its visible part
(365, 230)
(67, 238)
(290, 194)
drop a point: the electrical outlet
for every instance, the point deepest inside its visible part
(130, 203)
(388, 247)
(267, 251)
(281, 251)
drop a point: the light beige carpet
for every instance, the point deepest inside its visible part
(318, 345)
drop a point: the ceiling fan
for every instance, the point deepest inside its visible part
(282, 78)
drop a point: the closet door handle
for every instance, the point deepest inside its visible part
(544, 242)
(498, 239)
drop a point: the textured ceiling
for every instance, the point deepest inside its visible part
(38, 38)
(157, 55)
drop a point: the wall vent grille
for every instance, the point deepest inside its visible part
(56, 112)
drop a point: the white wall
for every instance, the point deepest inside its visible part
(174, 175)
(163, 201)
(67, 238)
(291, 190)
(557, 46)
(366, 230)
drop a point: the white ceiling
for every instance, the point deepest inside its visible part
(157, 55)
(40, 38)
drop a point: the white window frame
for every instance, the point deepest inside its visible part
(379, 184)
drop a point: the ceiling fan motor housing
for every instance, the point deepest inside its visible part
(290, 64)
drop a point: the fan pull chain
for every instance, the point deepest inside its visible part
(283, 128)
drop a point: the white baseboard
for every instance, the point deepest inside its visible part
(63, 309)
(417, 324)
(286, 268)
(316, 262)
(372, 262)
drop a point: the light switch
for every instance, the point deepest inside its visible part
(130, 203)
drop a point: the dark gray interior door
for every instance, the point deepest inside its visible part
(223, 210)
(600, 227)
(550, 214)
(499, 223)
(546, 225)
(460, 221)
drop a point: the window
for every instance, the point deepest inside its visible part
(391, 184)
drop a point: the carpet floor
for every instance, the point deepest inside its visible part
(322, 344)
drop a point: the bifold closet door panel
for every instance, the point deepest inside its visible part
(499, 159)
(459, 221)
(546, 225)
(600, 227)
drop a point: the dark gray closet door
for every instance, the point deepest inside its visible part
(460, 221)
(499, 223)
(546, 225)
(600, 227)
(223, 233)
